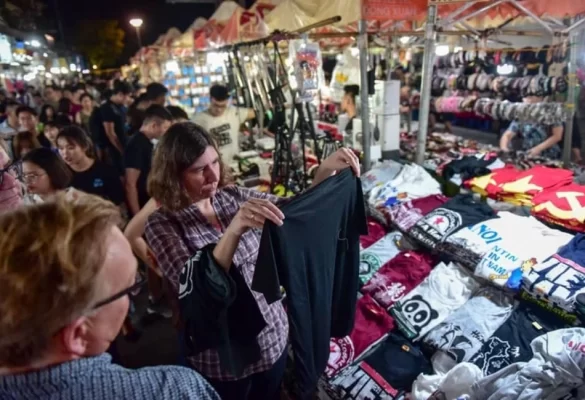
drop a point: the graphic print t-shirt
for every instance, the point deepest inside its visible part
(323, 225)
(564, 206)
(465, 331)
(225, 130)
(561, 277)
(511, 342)
(372, 259)
(405, 215)
(102, 180)
(455, 214)
(504, 262)
(446, 289)
(413, 182)
(359, 382)
(398, 277)
(372, 324)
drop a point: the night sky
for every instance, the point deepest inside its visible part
(158, 17)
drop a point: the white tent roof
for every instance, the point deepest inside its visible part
(186, 39)
(225, 11)
(294, 14)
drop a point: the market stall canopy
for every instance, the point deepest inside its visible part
(187, 39)
(245, 25)
(209, 34)
(294, 14)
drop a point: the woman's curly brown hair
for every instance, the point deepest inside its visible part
(178, 149)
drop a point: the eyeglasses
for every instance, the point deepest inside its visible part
(30, 178)
(14, 169)
(132, 290)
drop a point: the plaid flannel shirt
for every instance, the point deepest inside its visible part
(168, 244)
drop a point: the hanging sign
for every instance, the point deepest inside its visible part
(393, 10)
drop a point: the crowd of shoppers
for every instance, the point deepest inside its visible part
(68, 272)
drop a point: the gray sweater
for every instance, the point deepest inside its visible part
(97, 378)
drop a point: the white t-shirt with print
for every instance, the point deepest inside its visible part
(225, 129)
(524, 239)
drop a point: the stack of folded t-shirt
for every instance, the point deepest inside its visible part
(457, 213)
(446, 289)
(379, 175)
(490, 185)
(563, 206)
(472, 166)
(375, 232)
(494, 250)
(561, 277)
(529, 183)
(413, 182)
(372, 324)
(465, 331)
(398, 277)
(399, 362)
(405, 215)
(511, 342)
(525, 242)
(378, 254)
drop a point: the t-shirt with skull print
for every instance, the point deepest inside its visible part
(446, 289)
(465, 331)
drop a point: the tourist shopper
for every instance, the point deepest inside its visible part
(198, 211)
(67, 271)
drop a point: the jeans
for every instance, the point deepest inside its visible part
(263, 385)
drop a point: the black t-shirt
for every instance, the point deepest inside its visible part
(111, 112)
(315, 256)
(138, 155)
(399, 362)
(511, 342)
(455, 214)
(101, 180)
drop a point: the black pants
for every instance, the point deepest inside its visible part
(263, 385)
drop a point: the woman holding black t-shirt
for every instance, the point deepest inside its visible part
(89, 175)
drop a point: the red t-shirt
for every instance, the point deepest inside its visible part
(490, 184)
(375, 232)
(405, 215)
(563, 206)
(398, 277)
(372, 324)
(537, 179)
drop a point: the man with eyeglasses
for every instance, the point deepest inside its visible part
(65, 274)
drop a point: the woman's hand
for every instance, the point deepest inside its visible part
(253, 214)
(342, 159)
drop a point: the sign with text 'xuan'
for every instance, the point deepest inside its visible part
(393, 10)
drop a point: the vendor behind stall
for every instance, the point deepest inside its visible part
(537, 140)
(348, 104)
(223, 122)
